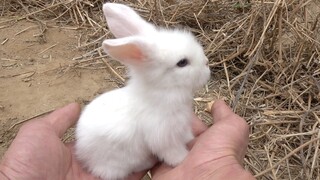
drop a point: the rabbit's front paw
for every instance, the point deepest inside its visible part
(175, 156)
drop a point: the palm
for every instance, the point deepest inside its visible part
(38, 151)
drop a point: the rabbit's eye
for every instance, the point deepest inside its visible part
(183, 62)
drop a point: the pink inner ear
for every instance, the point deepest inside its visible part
(126, 53)
(131, 51)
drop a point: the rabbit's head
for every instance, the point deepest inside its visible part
(158, 58)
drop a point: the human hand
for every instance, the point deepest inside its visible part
(37, 152)
(217, 153)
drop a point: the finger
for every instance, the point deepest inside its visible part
(64, 118)
(198, 126)
(220, 110)
(234, 124)
(160, 169)
(137, 175)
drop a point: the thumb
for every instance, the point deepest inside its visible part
(64, 118)
(220, 111)
(230, 128)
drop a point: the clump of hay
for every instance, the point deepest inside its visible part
(264, 57)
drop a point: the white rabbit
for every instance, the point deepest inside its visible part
(126, 130)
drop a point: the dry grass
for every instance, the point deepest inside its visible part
(264, 57)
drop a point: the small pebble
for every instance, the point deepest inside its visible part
(45, 56)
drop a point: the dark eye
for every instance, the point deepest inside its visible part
(183, 62)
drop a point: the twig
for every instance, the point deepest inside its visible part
(32, 13)
(315, 156)
(9, 65)
(35, 116)
(230, 57)
(14, 75)
(252, 61)
(24, 30)
(111, 69)
(4, 41)
(48, 48)
(6, 59)
(286, 157)
(262, 37)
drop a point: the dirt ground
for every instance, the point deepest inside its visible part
(37, 74)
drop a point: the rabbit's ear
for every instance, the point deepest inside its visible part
(129, 50)
(124, 21)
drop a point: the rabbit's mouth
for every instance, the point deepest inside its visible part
(203, 78)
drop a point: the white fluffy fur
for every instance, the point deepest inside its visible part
(122, 131)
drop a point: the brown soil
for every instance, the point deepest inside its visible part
(34, 80)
